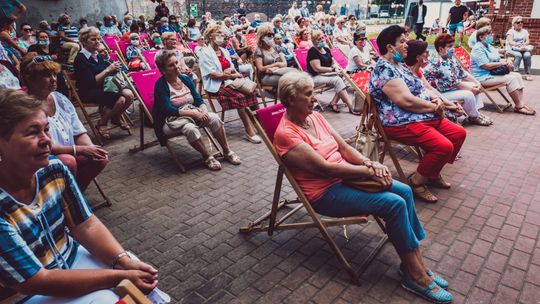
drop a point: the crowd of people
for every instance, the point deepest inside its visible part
(45, 146)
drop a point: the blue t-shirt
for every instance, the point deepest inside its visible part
(480, 55)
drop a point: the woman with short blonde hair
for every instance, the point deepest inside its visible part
(268, 57)
(518, 45)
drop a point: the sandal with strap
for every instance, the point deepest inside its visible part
(212, 164)
(441, 296)
(103, 131)
(439, 183)
(526, 110)
(421, 192)
(480, 121)
(334, 107)
(233, 158)
(487, 118)
(121, 124)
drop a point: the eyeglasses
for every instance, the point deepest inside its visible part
(269, 35)
(40, 59)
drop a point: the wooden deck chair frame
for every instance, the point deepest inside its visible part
(276, 224)
(130, 294)
(485, 90)
(74, 97)
(144, 113)
(263, 88)
(318, 89)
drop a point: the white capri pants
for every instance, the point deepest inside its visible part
(84, 260)
(334, 81)
(192, 132)
(471, 102)
(512, 80)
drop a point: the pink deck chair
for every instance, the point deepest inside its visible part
(113, 57)
(266, 121)
(122, 46)
(339, 58)
(110, 41)
(149, 56)
(301, 58)
(374, 45)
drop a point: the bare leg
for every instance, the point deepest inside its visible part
(344, 95)
(413, 269)
(517, 96)
(250, 131)
(418, 179)
(200, 147)
(222, 140)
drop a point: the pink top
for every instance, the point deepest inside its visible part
(288, 135)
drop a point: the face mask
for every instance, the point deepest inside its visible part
(43, 42)
(157, 41)
(489, 39)
(135, 42)
(268, 40)
(397, 56)
(320, 45)
(129, 22)
(450, 53)
(362, 43)
(362, 32)
(219, 40)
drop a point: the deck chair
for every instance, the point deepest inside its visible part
(300, 56)
(272, 90)
(130, 294)
(339, 58)
(266, 121)
(149, 57)
(142, 85)
(121, 47)
(251, 40)
(374, 45)
(110, 42)
(464, 60)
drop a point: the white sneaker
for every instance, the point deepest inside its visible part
(157, 296)
(255, 139)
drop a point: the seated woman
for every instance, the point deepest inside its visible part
(482, 22)
(342, 37)
(360, 56)
(134, 54)
(176, 96)
(320, 160)
(240, 44)
(170, 44)
(27, 38)
(90, 71)
(446, 74)
(43, 46)
(320, 66)
(304, 39)
(193, 32)
(287, 53)
(518, 45)
(53, 246)
(218, 72)
(410, 117)
(268, 56)
(70, 141)
(485, 59)
(470, 25)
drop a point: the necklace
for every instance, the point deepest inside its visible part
(304, 125)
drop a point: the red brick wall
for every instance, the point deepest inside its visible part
(502, 20)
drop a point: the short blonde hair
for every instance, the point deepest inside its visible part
(263, 30)
(316, 35)
(340, 19)
(482, 32)
(164, 20)
(319, 8)
(85, 33)
(134, 36)
(291, 84)
(167, 35)
(277, 19)
(211, 30)
(517, 19)
(32, 70)
(161, 59)
(482, 22)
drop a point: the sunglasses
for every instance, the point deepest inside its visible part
(519, 22)
(27, 29)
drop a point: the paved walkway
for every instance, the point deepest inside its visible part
(482, 235)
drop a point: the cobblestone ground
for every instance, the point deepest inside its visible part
(482, 234)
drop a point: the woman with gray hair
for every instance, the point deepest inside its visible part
(90, 72)
(175, 95)
(518, 46)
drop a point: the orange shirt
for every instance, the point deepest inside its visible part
(288, 135)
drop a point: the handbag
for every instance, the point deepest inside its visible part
(283, 71)
(243, 85)
(367, 185)
(176, 123)
(502, 70)
(114, 83)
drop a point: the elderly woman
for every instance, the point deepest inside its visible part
(134, 53)
(320, 161)
(69, 37)
(218, 72)
(193, 32)
(90, 72)
(304, 38)
(482, 22)
(519, 46)
(70, 140)
(342, 37)
(268, 56)
(359, 58)
(321, 66)
(240, 44)
(53, 246)
(27, 38)
(175, 95)
(485, 60)
(170, 44)
(410, 117)
(445, 74)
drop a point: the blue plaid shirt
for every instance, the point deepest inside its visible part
(34, 236)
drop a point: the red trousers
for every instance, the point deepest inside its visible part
(441, 141)
(83, 168)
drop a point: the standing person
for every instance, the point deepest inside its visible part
(293, 11)
(419, 18)
(242, 12)
(7, 11)
(69, 37)
(304, 11)
(456, 16)
(161, 10)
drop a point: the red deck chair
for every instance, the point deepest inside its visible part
(143, 88)
(251, 40)
(464, 59)
(300, 56)
(266, 121)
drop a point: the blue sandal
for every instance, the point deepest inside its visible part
(436, 278)
(440, 297)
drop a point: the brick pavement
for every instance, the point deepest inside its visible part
(482, 235)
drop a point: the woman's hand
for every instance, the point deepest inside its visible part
(380, 169)
(200, 118)
(145, 281)
(439, 108)
(92, 152)
(385, 180)
(113, 67)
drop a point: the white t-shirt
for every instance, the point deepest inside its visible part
(182, 97)
(64, 124)
(365, 56)
(518, 37)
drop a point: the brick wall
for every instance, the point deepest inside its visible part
(502, 20)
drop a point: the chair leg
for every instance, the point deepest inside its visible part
(106, 202)
(275, 200)
(175, 158)
(497, 107)
(508, 103)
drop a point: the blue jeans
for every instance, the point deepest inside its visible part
(395, 207)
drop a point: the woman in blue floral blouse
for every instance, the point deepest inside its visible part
(410, 117)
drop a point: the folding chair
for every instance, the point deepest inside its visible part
(251, 40)
(121, 47)
(110, 42)
(339, 58)
(272, 90)
(374, 45)
(150, 56)
(142, 85)
(300, 56)
(464, 60)
(130, 294)
(266, 121)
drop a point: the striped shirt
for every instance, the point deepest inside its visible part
(70, 32)
(34, 236)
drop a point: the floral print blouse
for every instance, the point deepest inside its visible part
(391, 114)
(444, 74)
